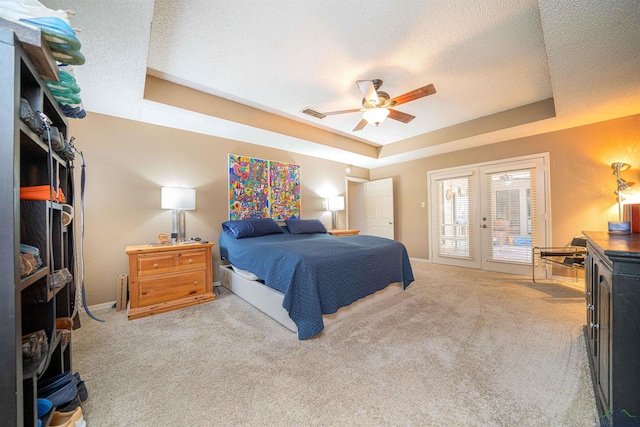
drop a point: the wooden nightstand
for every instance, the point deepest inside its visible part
(343, 232)
(165, 278)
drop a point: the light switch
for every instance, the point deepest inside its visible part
(422, 204)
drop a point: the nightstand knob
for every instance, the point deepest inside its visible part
(155, 266)
(195, 282)
(190, 261)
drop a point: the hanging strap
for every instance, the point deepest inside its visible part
(82, 182)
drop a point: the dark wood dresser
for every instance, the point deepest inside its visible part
(612, 332)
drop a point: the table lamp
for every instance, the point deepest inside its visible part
(179, 200)
(335, 204)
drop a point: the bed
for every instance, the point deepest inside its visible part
(308, 272)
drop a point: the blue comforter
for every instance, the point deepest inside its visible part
(319, 273)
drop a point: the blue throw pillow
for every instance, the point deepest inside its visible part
(305, 226)
(252, 227)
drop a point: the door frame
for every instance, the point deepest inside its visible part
(544, 233)
(347, 204)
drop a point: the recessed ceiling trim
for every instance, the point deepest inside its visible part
(525, 114)
(173, 94)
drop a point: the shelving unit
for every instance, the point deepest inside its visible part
(32, 303)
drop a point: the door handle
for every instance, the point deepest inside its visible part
(484, 225)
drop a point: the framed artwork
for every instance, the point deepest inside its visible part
(263, 189)
(248, 188)
(284, 191)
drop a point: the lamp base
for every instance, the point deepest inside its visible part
(179, 226)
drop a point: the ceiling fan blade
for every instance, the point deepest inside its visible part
(333, 113)
(320, 115)
(360, 125)
(368, 91)
(400, 116)
(314, 113)
(414, 94)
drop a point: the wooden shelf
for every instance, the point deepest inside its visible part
(34, 43)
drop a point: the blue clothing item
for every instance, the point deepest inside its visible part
(59, 389)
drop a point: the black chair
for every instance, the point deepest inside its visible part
(571, 256)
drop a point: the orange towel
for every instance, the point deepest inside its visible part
(39, 192)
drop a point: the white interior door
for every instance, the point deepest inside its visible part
(378, 207)
(489, 216)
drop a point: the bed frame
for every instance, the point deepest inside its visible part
(269, 301)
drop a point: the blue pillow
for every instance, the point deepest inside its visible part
(305, 226)
(252, 227)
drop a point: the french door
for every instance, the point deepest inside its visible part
(489, 216)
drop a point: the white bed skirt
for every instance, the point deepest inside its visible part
(269, 301)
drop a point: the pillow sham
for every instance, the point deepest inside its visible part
(305, 226)
(252, 227)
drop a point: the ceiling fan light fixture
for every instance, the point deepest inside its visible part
(375, 116)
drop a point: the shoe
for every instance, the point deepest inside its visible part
(35, 348)
(64, 322)
(71, 405)
(68, 419)
(83, 394)
(44, 406)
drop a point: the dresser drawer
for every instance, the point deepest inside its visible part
(170, 262)
(171, 287)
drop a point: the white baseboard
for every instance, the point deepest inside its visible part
(97, 307)
(110, 304)
(420, 260)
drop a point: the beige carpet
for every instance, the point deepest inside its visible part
(458, 348)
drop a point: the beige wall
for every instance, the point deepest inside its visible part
(581, 179)
(127, 164)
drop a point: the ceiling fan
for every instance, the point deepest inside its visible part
(378, 105)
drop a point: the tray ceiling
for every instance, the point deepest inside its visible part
(503, 69)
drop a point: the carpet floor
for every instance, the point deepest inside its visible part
(459, 347)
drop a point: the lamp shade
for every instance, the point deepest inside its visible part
(375, 116)
(178, 198)
(335, 203)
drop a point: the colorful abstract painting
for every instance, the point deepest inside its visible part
(284, 186)
(248, 188)
(263, 189)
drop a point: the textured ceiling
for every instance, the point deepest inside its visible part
(485, 57)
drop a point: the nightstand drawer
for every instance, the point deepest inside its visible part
(170, 262)
(149, 265)
(192, 260)
(171, 287)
